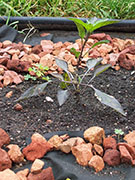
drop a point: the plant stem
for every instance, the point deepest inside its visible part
(80, 57)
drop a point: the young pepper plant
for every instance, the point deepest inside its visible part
(76, 80)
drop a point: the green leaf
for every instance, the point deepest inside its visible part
(109, 101)
(33, 91)
(76, 53)
(62, 96)
(100, 42)
(104, 22)
(79, 21)
(91, 63)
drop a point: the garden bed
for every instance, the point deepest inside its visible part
(40, 115)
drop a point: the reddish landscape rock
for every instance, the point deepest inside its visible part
(23, 174)
(97, 163)
(37, 166)
(36, 137)
(130, 138)
(83, 153)
(55, 141)
(8, 174)
(6, 43)
(94, 135)
(101, 36)
(37, 49)
(109, 143)
(19, 66)
(125, 155)
(45, 174)
(130, 148)
(47, 60)
(68, 144)
(99, 150)
(15, 154)
(112, 157)
(4, 137)
(47, 46)
(5, 161)
(37, 148)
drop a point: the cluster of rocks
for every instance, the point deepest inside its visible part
(16, 58)
(94, 151)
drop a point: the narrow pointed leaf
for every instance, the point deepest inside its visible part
(101, 69)
(33, 91)
(101, 23)
(109, 101)
(62, 96)
(100, 42)
(91, 63)
(62, 64)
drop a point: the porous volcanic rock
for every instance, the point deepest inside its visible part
(112, 157)
(109, 143)
(37, 166)
(130, 138)
(45, 174)
(8, 174)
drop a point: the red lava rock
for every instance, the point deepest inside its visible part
(4, 137)
(15, 154)
(112, 157)
(125, 155)
(97, 163)
(130, 148)
(8, 174)
(109, 143)
(45, 174)
(37, 49)
(101, 36)
(126, 63)
(34, 57)
(37, 148)
(19, 66)
(82, 153)
(5, 161)
(130, 138)
(18, 107)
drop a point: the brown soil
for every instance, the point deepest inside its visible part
(71, 116)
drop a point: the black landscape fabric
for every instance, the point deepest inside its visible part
(65, 166)
(32, 38)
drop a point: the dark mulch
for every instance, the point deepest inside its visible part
(71, 116)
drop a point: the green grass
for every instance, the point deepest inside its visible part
(116, 9)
